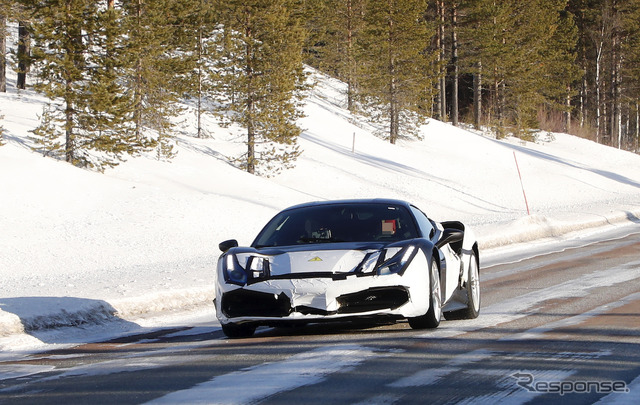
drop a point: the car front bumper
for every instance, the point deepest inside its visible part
(325, 298)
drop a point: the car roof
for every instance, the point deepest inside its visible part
(350, 201)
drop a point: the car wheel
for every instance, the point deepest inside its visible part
(473, 293)
(237, 331)
(432, 318)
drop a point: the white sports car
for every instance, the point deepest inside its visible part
(334, 260)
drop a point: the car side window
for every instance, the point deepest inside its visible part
(426, 227)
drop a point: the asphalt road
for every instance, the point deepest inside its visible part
(561, 327)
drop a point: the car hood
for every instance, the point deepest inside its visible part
(333, 258)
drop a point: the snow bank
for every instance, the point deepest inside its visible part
(79, 247)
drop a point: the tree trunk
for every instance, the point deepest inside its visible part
(3, 53)
(394, 116)
(454, 61)
(438, 95)
(73, 45)
(567, 127)
(443, 73)
(637, 125)
(477, 96)
(598, 95)
(617, 92)
(496, 97)
(436, 99)
(394, 109)
(200, 72)
(584, 90)
(613, 125)
(626, 132)
(137, 96)
(24, 53)
(251, 137)
(69, 145)
(503, 102)
(350, 62)
(109, 34)
(251, 149)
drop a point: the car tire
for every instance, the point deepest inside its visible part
(472, 288)
(238, 331)
(432, 318)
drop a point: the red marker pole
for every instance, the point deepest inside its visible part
(521, 185)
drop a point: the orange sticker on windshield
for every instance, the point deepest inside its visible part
(389, 227)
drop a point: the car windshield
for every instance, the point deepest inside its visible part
(347, 222)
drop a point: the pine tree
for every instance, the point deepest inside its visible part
(105, 116)
(334, 28)
(5, 11)
(3, 48)
(631, 46)
(61, 53)
(261, 79)
(48, 134)
(154, 69)
(561, 73)
(630, 53)
(525, 49)
(469, 56)
(441, 86)
(82, 57)
(551, 38)
(197, 21)
(577, 9)
(454, 62)
(393, 69)
(608, 34)
(595, 25)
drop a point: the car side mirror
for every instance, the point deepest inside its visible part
(228, 244)
(449, 235)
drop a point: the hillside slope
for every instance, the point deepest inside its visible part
(150, 229)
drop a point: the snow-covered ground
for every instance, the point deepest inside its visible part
(141, 239)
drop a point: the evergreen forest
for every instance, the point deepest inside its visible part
(117, 72)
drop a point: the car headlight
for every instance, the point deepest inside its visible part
(255, 267)
(232, 271)
(258, 267)
(392, 260)
(400, 257)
